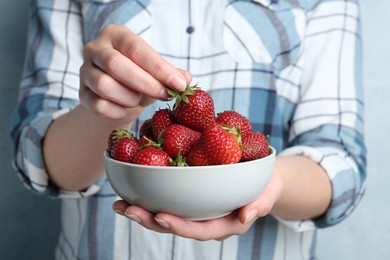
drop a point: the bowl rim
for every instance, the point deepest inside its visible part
(176, 168)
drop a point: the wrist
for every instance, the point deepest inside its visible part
(100, 122)
(279, 186)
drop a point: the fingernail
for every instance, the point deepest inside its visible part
(164, 94)
(133, 217)
(177, 82)
(250, 216)
(162, 223)
(119, 211)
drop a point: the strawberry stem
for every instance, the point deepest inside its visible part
(180, 161)
(150, 143)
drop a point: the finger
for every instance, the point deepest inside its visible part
(106, 109)
(202, 230)
(248, 213)
(264, 202)
(223, 238)
(142, 54)
(107, 88)
(137, 214)
(120, 207)
(146, 101)
(186, 75)
(96, 105)
(119, 67)
(144, 218)
(148, 59)
(260, 207)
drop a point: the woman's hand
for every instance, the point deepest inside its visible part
(236, 223)
(122, 74)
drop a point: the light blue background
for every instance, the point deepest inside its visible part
(29, 223)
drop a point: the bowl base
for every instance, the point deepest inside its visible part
(208, 217)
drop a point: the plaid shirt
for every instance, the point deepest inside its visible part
(293, 67)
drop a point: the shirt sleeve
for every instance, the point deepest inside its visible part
(48, 87)
(327, 125)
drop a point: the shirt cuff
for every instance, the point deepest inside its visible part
(30, 164)
(347, 188)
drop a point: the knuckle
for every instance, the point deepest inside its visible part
(264, 208)
(82, 70)
(240, 232)
(208, 234)
(89, 47)
(101, 107)
(112, 62)
(102, 84)
(110, 28)
(134, 49)
(133, 102)
(159, 69)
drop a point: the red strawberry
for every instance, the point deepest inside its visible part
(219, 145)
(146, 129)
(197, 155)
(151, 155)
(143, 141)
(161, 120)
(178, 138)
(234, 119)
(194, 108)
(115, 135)
(255, 146)
(124, 149)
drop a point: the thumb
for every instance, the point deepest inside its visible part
(264, 202)
(187, 76)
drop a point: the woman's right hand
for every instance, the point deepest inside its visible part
(122, 74)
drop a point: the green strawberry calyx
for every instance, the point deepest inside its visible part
(122, 133)
(182, 95)
(235, 131)
(180, 161)
(150, 143)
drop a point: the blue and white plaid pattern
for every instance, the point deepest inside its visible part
(291, 66)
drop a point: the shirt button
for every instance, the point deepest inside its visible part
(190, 29)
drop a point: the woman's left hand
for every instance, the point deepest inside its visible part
(236, 223)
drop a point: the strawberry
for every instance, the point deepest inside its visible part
(219, 145)
(197, 155)
(143, 141)
(255, 146)
(194, 108)
(124, 149)
(161, 120)
(146, 129)
(178, 138)
(151, 155)
(115, 135)
(234, 119)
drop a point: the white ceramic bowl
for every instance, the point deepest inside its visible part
(193, 193)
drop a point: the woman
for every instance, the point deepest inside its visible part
(291, 67)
